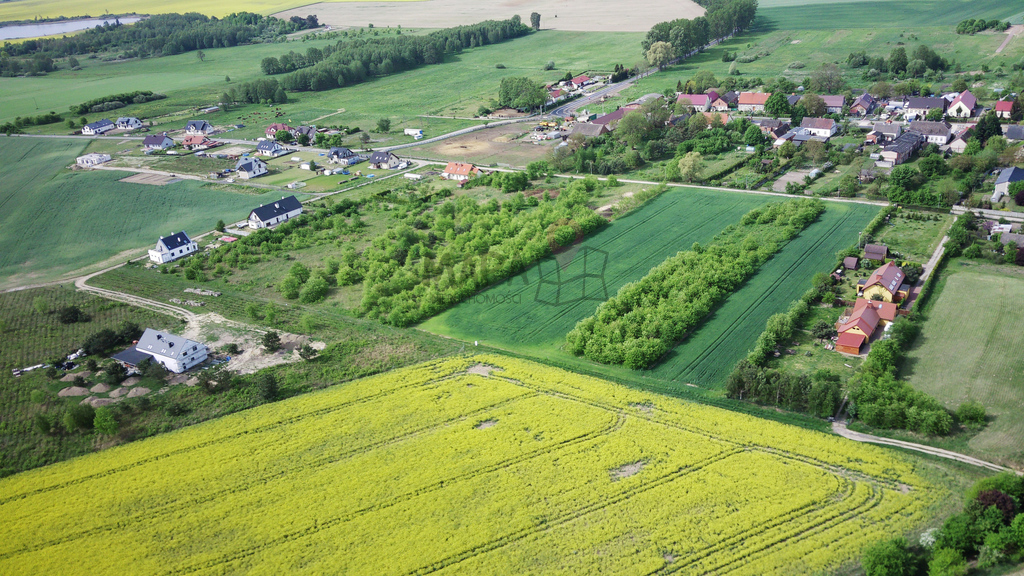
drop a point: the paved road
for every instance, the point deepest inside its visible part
(990, 214)
(841, 429)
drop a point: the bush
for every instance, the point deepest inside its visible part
(104, 421)
(887, 558)
(314, 291)
(971, 414)
(43, 423)
(946, 562)
(79, 417)
(70, 315)
(266, 385)
(271, 341)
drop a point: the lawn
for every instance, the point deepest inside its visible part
(912, 236)
(803, 14)
(532, 312)
(968, 351)
(55, 221)
(478, 465)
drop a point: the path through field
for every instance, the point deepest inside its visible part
(841, 429)
(1016, 30)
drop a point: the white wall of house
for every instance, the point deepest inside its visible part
(959, 110)
(160, 255)
(255, 222)
(186, 361)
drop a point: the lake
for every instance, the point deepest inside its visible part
(54, 28)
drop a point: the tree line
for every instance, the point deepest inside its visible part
(646, 318)
(354, 61)
(722, 18)
(158, 35)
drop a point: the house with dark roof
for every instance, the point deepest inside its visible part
(611, 120)
(877, 252)
(1014, 133)
(128, 123)
(793, 99)
(921, 106)
(98, 127)
(823, 127)
(157, 142)
(1003, 108)
(459, 171)
(173, 247)
(771, 125)
(720, 102)
(271, 148)
(386, 161)
(963, 105)
(198, 127)
(960, 138)
(900, 150)
(250, 167)
(1006, 177)
(268, 215)
(933, 132)
(175, 353)
(887, 283)
(851, 262)
(862, 105)
(884, 132)
(343, 156)
(308, 131)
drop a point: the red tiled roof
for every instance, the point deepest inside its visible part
(273, 128)
(834, 101)
(818, 123)
(581, 79)
(850, 339)
(193, 139)
(721, 116)
(1004, 105)
(695, 99)
(753, 98)
(460, 169)
(865, 318)
(885, 310)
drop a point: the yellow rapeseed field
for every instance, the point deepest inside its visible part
(473, 465)
(30, 9)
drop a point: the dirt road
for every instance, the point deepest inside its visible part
(1010, 33)
(841, 429)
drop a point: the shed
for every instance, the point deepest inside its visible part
(876, 252)
(851, 262)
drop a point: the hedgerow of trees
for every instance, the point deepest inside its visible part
(353, 61)
(646, 318)
(722, 18)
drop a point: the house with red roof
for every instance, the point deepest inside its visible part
(887, 283)
(459, 171)
(857, 326)
(273, 129)
(823, 127)
(1003, 108)
(581, 81)
(701, 102)
(963, 105)
(752, 101)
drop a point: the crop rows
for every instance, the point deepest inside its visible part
(472, 472)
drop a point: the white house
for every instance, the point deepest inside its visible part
(270, 148)
(963, 105)
(459, 171)
(198, 127)
(174, 353)
(933, 132)
(959, 143)
(834, 104)
(98, 127)
(171, 248)
(823, 127)
(385, 161)
(269, 215)
(128, 123)
(921, 106)
(92, 159)
(250, 167)
(1006, 177)
(157, 142)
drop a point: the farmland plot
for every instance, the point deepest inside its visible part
(479, 465)
(531, 313)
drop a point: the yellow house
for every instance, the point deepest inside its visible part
(885, 283)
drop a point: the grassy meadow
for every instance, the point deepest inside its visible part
(482, 465)
(532, 312)
(968, 351)
(825, 14)
(56, 221)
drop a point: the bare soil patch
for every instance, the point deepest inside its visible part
(481, 369)
(502, 144)
(119, 392)
(100, 389)
(216, 331)
(140, 391)
(791, 176)
(627, 470)
(486, 424)
(96, 402)
(579, 15)
(73, 391)
(131, 381)
(151, 179)
(233, 150)
(71, 377)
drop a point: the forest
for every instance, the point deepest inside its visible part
(159, 35)
(352, 61)
(648, 317)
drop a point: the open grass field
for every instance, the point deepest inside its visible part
(969, 350)
(915, 239)
(472, 465)
(825, 14)
(55, 221)
(532, 312)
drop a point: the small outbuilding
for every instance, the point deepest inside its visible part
(876, 252)
(851, 262)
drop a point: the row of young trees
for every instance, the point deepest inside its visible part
(164, 34)
(899, 64)
(646, 318)
(354, 61)
(722, 18)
